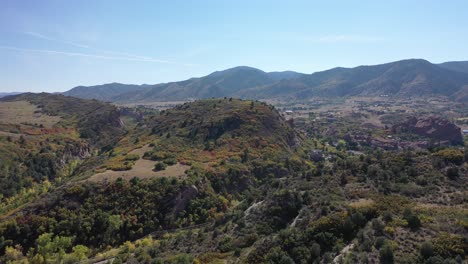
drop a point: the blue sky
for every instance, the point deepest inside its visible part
(56, 45)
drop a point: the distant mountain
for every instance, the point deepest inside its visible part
(104, 92)
(413, 77)
(284, 75)
(460, 66)
(217, 84)
(8, 94)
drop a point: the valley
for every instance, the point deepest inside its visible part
(233, 132)
(233, 181)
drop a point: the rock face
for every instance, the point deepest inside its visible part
(436, 128)
(184, 198)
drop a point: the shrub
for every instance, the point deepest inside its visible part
(387, 216)
(157, 156)
(413, 220)
(249, 240)
(380, 242)
(426, 250)
(170, 161)
(389, 230)
(451, 155)
(226, 245)
(132, 157)
(160, 166)
(452, 173)
(378, 226)
(119, 166)
(449, 245)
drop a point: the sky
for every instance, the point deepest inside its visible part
(53, 46)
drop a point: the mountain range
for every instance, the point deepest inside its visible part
(405, 78)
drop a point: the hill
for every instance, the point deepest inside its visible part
(43, 137)
(223, 181)
(460, 66)
(225, 146)
(415, 77)
(8, 94)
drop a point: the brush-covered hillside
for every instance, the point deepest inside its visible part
(177, 168)
(44, 138)
(233, 181)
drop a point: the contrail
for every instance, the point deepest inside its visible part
(97, 56)
(121, 55)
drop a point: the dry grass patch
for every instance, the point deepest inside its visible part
(362, 203)
(142, 169)
(21, 112)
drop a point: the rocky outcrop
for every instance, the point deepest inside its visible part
(74, 152)
(432, 127)
(184, 198)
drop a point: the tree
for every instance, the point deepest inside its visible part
(452, 173)
(114, 224)
(245, 156)
(14, 255)
(426, 250)
(315, 250)
(80, 251)
(49, 247)
(22, 140)
(378, 226)
(276, 255)
(413, 220)
(386, 254)
(183, 259)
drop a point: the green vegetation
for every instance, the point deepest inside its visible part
(256, 188)
(51, 153)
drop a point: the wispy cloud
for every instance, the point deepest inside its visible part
(349, 39)
(104, 54)
(40, 36)
(95, 56)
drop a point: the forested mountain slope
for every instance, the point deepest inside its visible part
(406, 78)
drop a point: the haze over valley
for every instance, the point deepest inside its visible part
(356, 151)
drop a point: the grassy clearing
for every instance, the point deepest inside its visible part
(23, 112)
(142, 169)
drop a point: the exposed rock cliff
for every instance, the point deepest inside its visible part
(433, 127)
